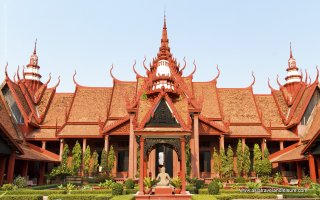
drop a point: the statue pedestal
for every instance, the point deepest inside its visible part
(163, 190)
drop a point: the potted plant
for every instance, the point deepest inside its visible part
(148, 183)
(176, 182)
(278, 178)
(306, 181)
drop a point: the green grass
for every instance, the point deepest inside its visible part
(123, 197)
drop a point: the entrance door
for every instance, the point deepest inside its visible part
(164, 158)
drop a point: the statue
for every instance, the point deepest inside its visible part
(163, 178)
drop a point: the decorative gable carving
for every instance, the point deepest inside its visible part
(162, 117)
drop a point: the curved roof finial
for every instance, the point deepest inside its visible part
(46, 84)
(18, 76)
(317, 77)
(74, 78)
(6, 71)
(14, 77)
(57, 83)
(269, 85)
(114, 78)
(194, 70)
(23, 75)
(134, 69)
(278, 81)
(254, 80)
(184, 66)
(144, 65)
(216, 78)
(306, 79)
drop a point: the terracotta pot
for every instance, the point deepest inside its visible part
(177, 190)
(147, 190)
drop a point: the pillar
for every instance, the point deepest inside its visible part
(106, 143)
(61, 149)
(42, 172)
(10, 170)
(24, 172)
(183, 164)
(243, 142)
(312, 168)
(221, 141)
(141, 166)
(263, 145)
(145, 168)
(131, 147)
(3, 161)
(43, 144)
(135, 158)
(196, 169)
(318, 165)
(84, 145)
(299, 171)
(281, 145)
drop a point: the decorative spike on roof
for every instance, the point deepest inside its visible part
(32, 71)
(293, 74)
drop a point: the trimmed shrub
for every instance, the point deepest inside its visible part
(95, 192)
(21, 197)
(299, 195)
(20, 182)
(117, 189)
(213, 188)
(240, 180)
(8, 187)
(199, 184)
(253, 196)
(36, 192)
(193, 190)
(131, 191)
(129, 183)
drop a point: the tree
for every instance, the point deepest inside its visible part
(188, 160)
(224, 163)
(257, 158)
(76, 158)
(239, 158)
(86, 160)
(95, 162)
(266, 166)
(230, 160)
(216, 162)
(103, 161)
(246, 160)
(111, 159)
(62, 170)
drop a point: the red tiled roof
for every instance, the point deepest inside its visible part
(313, 125)
(208, 92)
(283, 135)
(89, 104)
(80, 130)
(32, 152)
(270, 112)
(248, 131)
(281, 102)
(121, 91)
(58, 107)
(42, 134)
(294, 154)
(44, 102)
(238, 105)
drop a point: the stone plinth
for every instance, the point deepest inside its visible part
(163, 190)
(164, 196)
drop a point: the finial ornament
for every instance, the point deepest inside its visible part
(278, 81)
(254, 79)
(35, 47)
(290, 51)
(216, 78)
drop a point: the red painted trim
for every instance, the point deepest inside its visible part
(285, 150)
(43, 151)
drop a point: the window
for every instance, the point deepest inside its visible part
(123, 161)
(313, 102)
(205, 161)
(12, 105)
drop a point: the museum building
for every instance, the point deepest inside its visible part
(155, 119)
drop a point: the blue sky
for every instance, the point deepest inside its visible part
(89, 36)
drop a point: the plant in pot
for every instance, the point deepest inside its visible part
(148, 183)
(306, 181)
(176, 182)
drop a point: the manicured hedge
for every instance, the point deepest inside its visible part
(43, 187)
(104, 191)
(79, 197)
(34, 192)
(130, 191)
(299, 195)
(222, 191)
(253, 196)
(203, 197)
(280, 186)
(21, 197)
(123, 197)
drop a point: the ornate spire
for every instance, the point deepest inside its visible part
(293, 74)
(32, 71)
(164, 50)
